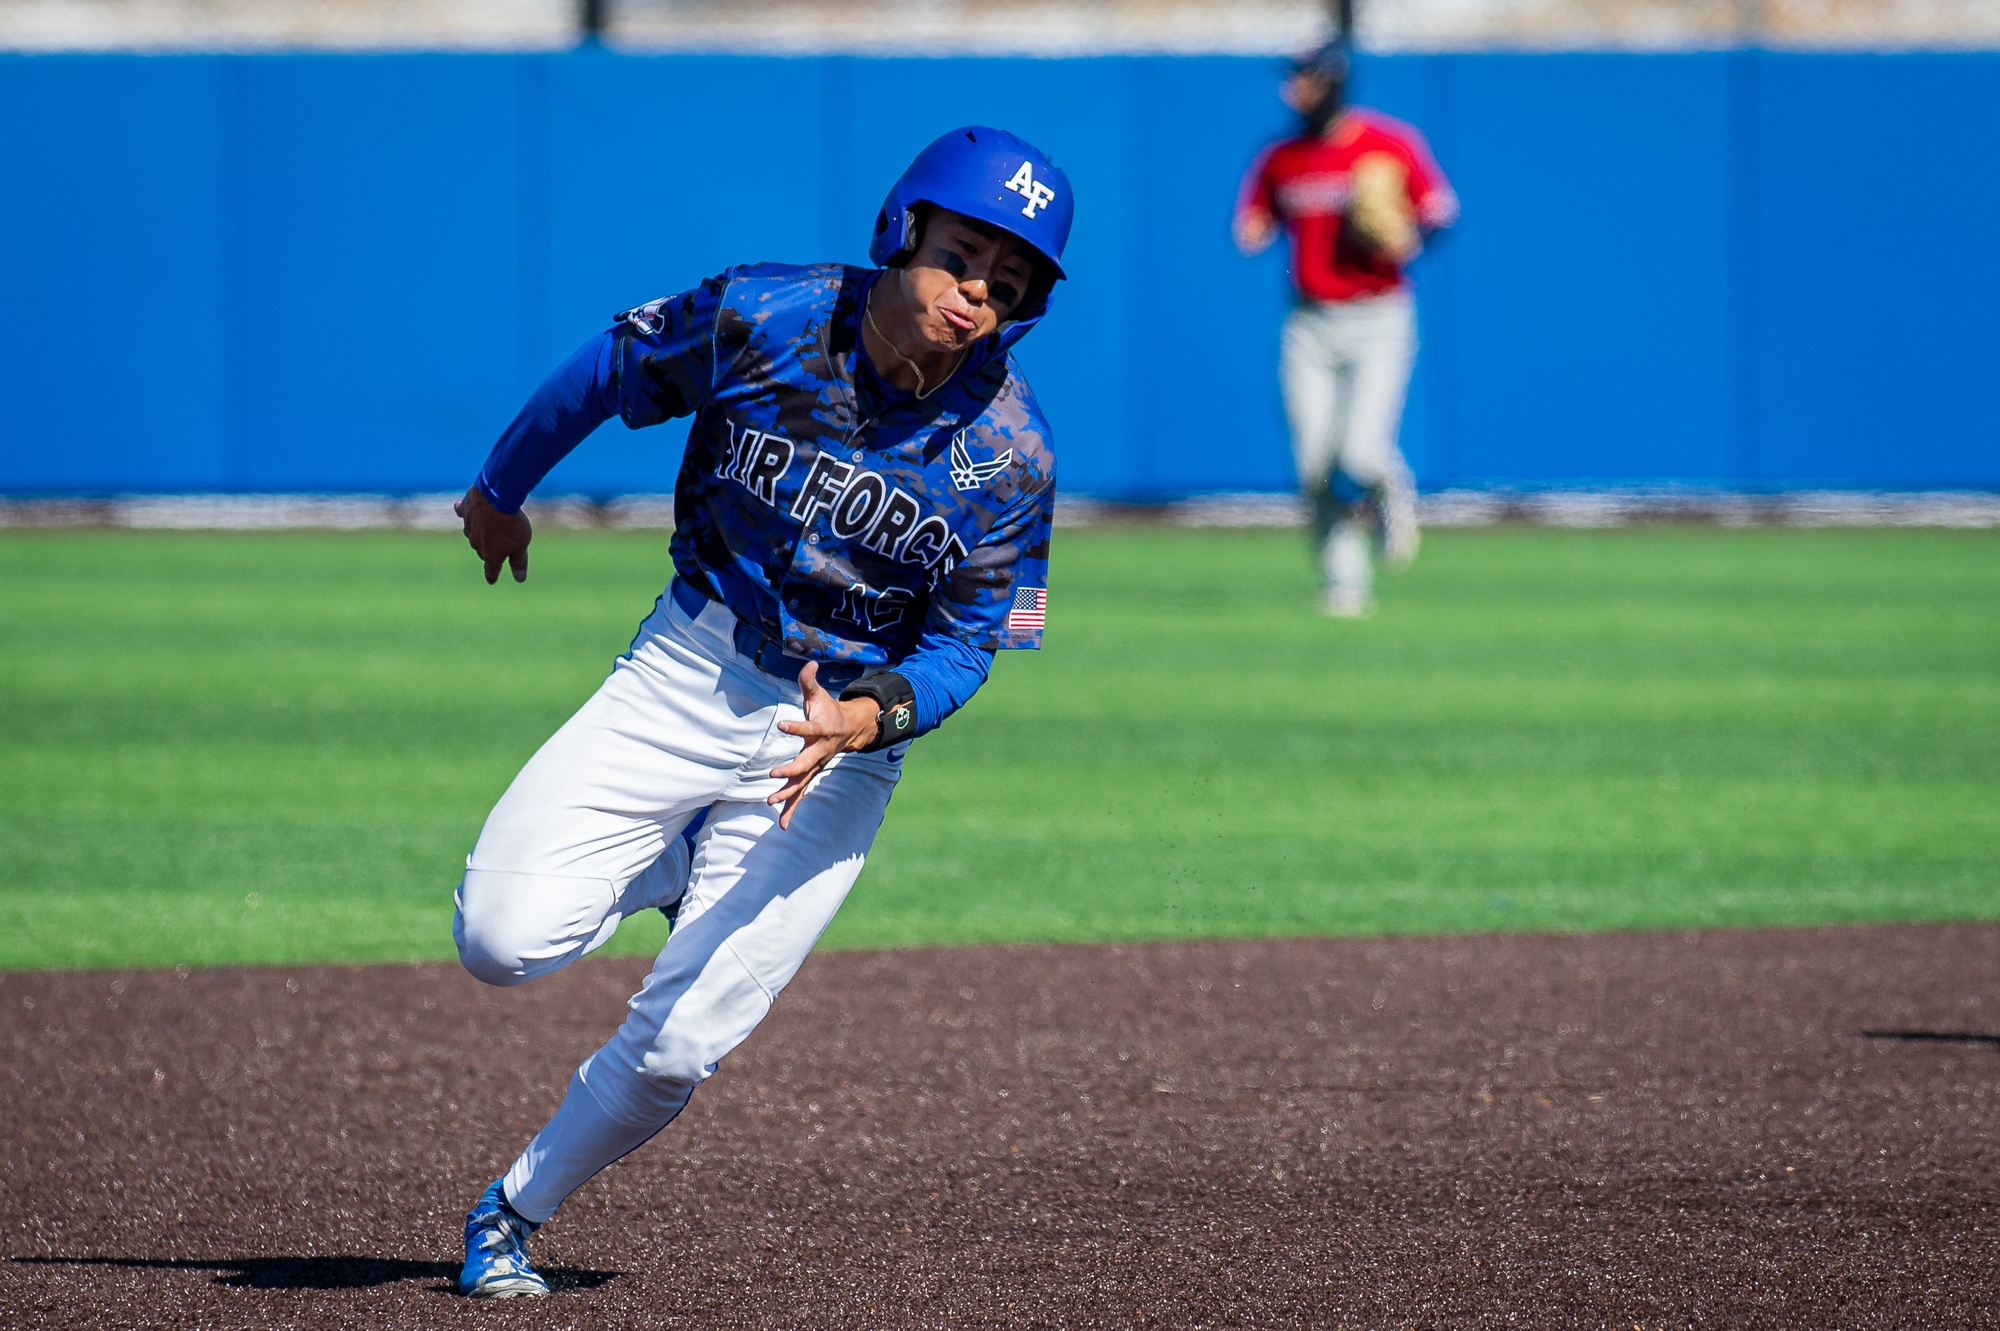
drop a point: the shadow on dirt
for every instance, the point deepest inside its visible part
(1933, 1037)
(321, 1272)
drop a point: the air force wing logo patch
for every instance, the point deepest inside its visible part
(969, 475)
(650, 318)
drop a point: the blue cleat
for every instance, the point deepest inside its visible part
(496, 1251)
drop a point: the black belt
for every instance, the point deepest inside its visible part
(768, 656)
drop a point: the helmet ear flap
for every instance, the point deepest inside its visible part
(897, 231)
(913, 235)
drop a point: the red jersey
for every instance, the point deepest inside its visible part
(1306, 183)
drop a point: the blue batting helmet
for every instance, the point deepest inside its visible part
(987, 174)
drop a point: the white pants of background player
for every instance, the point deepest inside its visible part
(591, 832)
(1345, 368)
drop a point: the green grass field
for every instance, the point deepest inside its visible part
(278, 748)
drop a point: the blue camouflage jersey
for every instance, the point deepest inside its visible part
(841, 518)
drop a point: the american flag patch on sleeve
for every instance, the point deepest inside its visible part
(1031, 610)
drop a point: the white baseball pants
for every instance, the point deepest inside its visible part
(1345, 369)
(680, 737)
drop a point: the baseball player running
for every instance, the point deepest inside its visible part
(862, 520)
(1358, 192)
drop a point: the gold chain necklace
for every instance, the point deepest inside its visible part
(868, 311)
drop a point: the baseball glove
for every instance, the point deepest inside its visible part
(1379, 210)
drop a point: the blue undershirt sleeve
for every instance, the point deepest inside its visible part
(573, 401)
(944, 672)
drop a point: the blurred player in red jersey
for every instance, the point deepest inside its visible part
(1358, 192)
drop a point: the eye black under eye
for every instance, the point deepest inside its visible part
(953, 263)
(1003, 292)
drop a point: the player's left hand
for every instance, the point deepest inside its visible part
(830, 727)
(1381, 213)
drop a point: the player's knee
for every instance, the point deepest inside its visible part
(485, 952)
(699, 1003)
(678, 1060)
(682, 1045)
(625, 1090)
(511, 927)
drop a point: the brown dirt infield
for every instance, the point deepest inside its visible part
(1651, 1130)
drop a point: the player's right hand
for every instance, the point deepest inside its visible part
(1254, 230)
(829, 728)
(497, 538)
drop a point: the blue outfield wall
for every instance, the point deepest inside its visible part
(1747, 270)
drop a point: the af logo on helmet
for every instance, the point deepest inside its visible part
(1037, 194)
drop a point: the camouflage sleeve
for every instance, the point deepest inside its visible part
(665, 359)
(997, 596)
